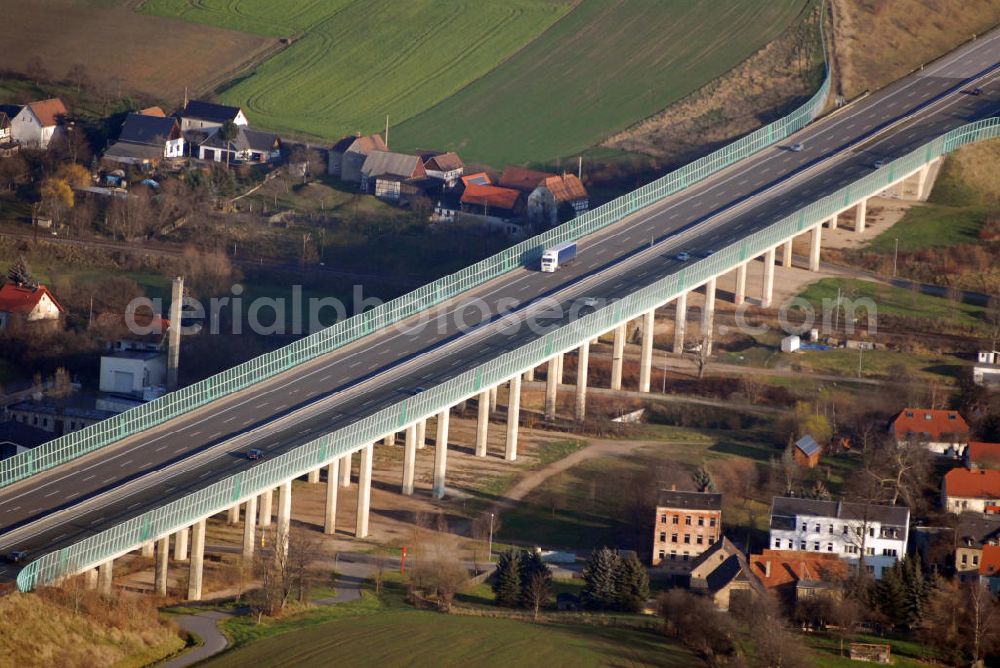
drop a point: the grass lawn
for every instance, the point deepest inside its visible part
(932, 226)
(562, 93)
(352, 62)
(905, 653)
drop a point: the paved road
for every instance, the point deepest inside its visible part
(379, 371)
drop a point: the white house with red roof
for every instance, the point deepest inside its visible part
(38, 123)
(976, 490)
(943, 432)
(28, 304)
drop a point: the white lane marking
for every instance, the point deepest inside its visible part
(124, 464)
(162, 447)
(52, 493)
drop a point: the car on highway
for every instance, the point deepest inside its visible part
(683, 256)
(254, 454)
(707, 253)
(880, 163)
(17, 556)
(977, 91)
(796, 147)
(587, 305)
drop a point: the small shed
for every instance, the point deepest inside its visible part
(791, 343)
(806, 452)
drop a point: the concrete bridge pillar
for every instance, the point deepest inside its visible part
(860, 212)
(421, 434)
(583, 362)
(409, 459)
(832, 223)
(529, 375)
(618, 356)
(284, 516)
(560, 359)
(345, 470)
(551, 388)
(162, 562)
(708, 315)
(332, 482)
(493, 398)
(249, 528)
(147, 550)
(483, 424)
(266, 499)
(90, 578)
(364, 490)
(513, 417)
(312, 477)
(105, 575)
(680, 323)
(646, 356)
(197, 560)
(390, 439)
(441, 452)
(740, 291)
(181, 544)
(815, 243)
(786, 255)
(767, 293)
(233, 514)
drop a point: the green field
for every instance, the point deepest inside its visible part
(352, 62)
(605, 66)
(511, 81)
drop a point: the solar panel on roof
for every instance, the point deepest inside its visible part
(479, 180)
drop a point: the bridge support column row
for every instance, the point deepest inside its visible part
(618, 356)
(552, 378)
(815, 242)
(162, 561)
(860, 212)
(832, 222)
(421, 434)
(313, 477)
(493, 399)
(197, 560)
(409, 459)
(147, 550)
(483, 424)
(441, 452)
(90, 578)
(390, 439)
(529, 375)
(583, 361)
(249, 528)
(332, 483)
(284, 516)
(708, 315)
(646, 355)
(786, 253)
(513, 417)
(105, 574)
(740, 291)
(233, 514)
(767, 292)
(680, 323)
(364, 490)
(345, 470)
(266, 499)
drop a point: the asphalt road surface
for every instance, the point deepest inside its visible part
(386, 366)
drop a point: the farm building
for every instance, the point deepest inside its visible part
(687, 524)
(971, 490)
(145, 140)
(27, 303)
(940, 431)
(384, 171)
(520, 178)
(446, 167)
(249, 146)
(722, 572)
(348, 155)
(133, 372)
(38, 123)
(781, 571)
(547, 193)
(491, 202)
(806, 452)
(198, 115)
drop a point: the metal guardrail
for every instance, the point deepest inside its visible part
(272, 472)
(526, 253)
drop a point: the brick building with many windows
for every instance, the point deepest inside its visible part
(687, 524)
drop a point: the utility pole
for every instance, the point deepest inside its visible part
(489, 554)
(895, 256)
(387, 130)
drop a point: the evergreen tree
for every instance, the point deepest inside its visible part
(507, 578)
(917, 589)
(19, 274)
(703, 480)
(600, 576)
(891, 595)
(633, 584)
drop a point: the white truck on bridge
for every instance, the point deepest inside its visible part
(559, 255)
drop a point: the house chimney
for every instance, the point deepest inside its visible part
(673, 488)
(174, 334)
(767, 568)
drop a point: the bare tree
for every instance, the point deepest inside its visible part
(537, 592)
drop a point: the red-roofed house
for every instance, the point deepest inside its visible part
(447, 167)
(491, 201)
(973, 490)
(982, 455)
(525, 180)
(989, 567)
(38, 123)
(782, 571)
(27, 304)
(940, 431)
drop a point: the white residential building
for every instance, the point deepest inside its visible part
(38, 123)
(843, 528)
(133, 372)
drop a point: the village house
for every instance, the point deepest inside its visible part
(58, 417)
(841, 528)
(28, 304)
(347, 156)
(943, 432)
(687, 524)
(794, 574)
(806, 452)
(980, 455)
(38, 123)
(146, 140)
(986, 371)
(384, 171)
(140, 374)
(249, 146)
(7, 144)
(723, 573)
(16, 437)
(493, 208)
(989, 568)
(546, 193)
(446, 167)
(198, 115)
(975, 490)
(974, 532)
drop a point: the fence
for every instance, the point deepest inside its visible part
(526, 253)
(269, 474)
